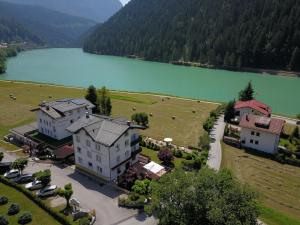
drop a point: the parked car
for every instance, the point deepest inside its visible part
(34, 185)
(12, 174)
(25, 178)
(47, 191)
(5, 167)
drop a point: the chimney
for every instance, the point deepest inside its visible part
(87, 115)
(128, 123)
(47, 107)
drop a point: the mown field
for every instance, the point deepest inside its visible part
(278, 185)
(39, 216)
(185, 129)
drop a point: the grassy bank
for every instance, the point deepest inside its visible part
(277, 184)
(39, 216)
(184, 130)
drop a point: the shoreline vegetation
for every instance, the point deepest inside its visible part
(284, 73)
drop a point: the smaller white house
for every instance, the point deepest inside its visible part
(105, 147)
(54, 117)
(261, 133)
(251, 107)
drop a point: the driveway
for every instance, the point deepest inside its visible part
(103, 199)
(215, 152)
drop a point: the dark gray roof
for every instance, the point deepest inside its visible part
(56, 109)
(25, 129)
(104, 130)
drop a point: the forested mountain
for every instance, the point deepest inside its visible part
(97, 10)
(229, 33)
(12, 31)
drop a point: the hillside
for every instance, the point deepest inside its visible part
(97, 10)
(55, 28)
(12, 31)
(228, 33)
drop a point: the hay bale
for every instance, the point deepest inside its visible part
(173, 117)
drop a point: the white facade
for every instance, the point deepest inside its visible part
(259, 140)
(56, 127)
(103, 161)
(247, 110)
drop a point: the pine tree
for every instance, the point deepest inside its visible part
(91, 96)
(247, 94)
(229, 111)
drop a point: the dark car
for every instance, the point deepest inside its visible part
(4, 167)
(25, 178)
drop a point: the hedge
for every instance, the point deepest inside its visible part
(35, 199)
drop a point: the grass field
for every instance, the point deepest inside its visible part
(39, 216)
(278, 185)
(185, 129)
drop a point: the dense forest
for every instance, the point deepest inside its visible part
(226, 33)
(55, 29)
(10, 51)
(97, 10)
(12, 31)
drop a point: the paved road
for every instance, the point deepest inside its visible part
(215, 152)
(91, 196)
(287, 120)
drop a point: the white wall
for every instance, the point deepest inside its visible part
(267, 142)
(244, 111)
(109, 155)
(56, 128)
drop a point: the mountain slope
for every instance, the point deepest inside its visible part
(12, 31)
(55, 28)
(229, 33)
(97, 10)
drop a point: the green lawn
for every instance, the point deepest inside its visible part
(39, 216)
(278, 185)
(153, 155)
(185, 129)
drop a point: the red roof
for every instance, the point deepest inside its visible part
(64, 152)
(254, 104)
(262, 123)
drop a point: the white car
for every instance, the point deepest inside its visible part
(34, 185)
(12, 174)
(47, 191)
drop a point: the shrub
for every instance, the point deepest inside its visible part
(3, 220)
(134, 201)
(178, 153)
(165, 155)
(84, 221)
(13, 209)
(3, 200)
(25, 218)
(141, 187)
(188, 156)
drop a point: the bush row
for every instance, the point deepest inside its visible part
(213, 116)
(134, 201)
(35, 199)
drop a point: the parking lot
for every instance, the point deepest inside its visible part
(91, 195)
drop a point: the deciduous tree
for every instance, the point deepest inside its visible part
(92, 96)
(229, 111)
(43, 176)
(203, 197)
(19, 164)
(66, 193)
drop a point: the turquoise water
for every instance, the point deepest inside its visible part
(73, 67)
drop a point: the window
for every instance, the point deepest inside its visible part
(118, 159)
(54, 129)
(126, 133)
(126, 143)
(257, 134)
(256, 142)
(79, 160)
(71, 121)
(89, 154)
(99, 169)
(78, 149)
(98, 147)
(127, 154)
(77, 138)
(88, 143)
(41, 120)
(119, 170)
(251, 141)
(117, 147)
(98, 158)
(252, 132)
(90, 164)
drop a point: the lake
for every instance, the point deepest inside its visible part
(73, 67)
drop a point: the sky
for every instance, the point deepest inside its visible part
(124, 1)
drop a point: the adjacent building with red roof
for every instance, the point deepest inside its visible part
(260, 132)
(253, 107)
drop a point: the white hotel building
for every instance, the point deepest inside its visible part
(105, 147)
(54, 117)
